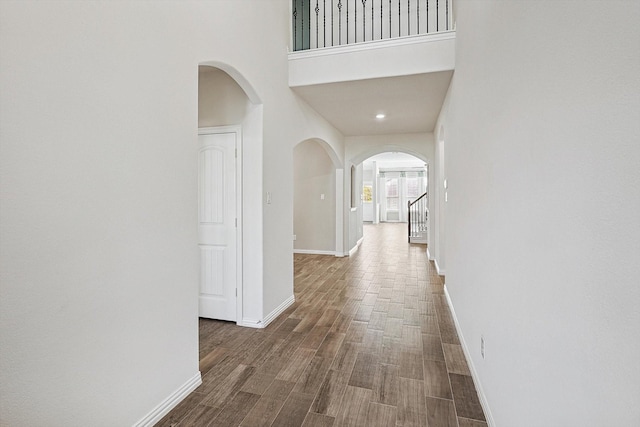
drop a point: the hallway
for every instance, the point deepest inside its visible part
(369, 341)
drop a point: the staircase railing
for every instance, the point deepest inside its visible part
(417, 216)
(324, 23)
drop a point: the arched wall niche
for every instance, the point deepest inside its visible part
(317, 200)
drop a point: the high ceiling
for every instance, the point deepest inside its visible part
(410, 103)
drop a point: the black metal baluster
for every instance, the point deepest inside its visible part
(317, 9)
(372, 17)
(389, 18)
(427, 16)
(355, 21)
(447, 14)
(364, 21)
(347, 21)
(339, 22)
(324, 23)
(399, 18)
(409, 219)
(331, 22)
(418, 12)
(380, 19)
(408, 17)
(437, 17)
(295, 29)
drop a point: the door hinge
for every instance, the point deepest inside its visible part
(236, 292)
(236, 153)
(236, 222)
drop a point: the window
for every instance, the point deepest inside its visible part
(367, 193)
(354, 201)
(413, 188)
(393, 199)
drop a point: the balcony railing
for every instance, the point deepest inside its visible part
(324, 23)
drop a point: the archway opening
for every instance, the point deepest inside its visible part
(390, 181)
(229, 108)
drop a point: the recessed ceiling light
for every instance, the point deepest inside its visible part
(380, 116)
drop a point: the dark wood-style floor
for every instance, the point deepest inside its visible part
(370, 341)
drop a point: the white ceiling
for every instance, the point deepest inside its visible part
(411, 103)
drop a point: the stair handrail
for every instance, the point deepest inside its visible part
(409, 204)
(416, 200)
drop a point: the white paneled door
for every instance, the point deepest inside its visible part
(217, 224)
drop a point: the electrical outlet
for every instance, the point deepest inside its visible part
(482, 346)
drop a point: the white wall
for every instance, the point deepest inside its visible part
(354, 212)
(544, 193)
(392, 57)
(98, 199)
(314, 218)
(437, 252)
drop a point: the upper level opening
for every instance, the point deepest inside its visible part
(327, 23)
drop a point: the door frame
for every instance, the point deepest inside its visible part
(239, 213)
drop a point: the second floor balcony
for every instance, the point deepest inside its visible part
(327, 23)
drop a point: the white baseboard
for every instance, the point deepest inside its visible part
(170, 402)
(279, 309)
(472, 368)
(355, 248)
(250, 323)
(439, 270)
(313, 252)
(429, 257)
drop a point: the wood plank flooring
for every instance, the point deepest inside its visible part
(369, 341)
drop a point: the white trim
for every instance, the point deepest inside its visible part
(313, 252)
(356, 247)
(429, 257)
(278, 311)
(353, 250)
(373, 44)
(474, 374)
(250, 323)
(339, 212)
(170, 402)
(438, 269)
(239, 213)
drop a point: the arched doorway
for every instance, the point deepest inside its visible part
(390, 181)
(229, 124)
